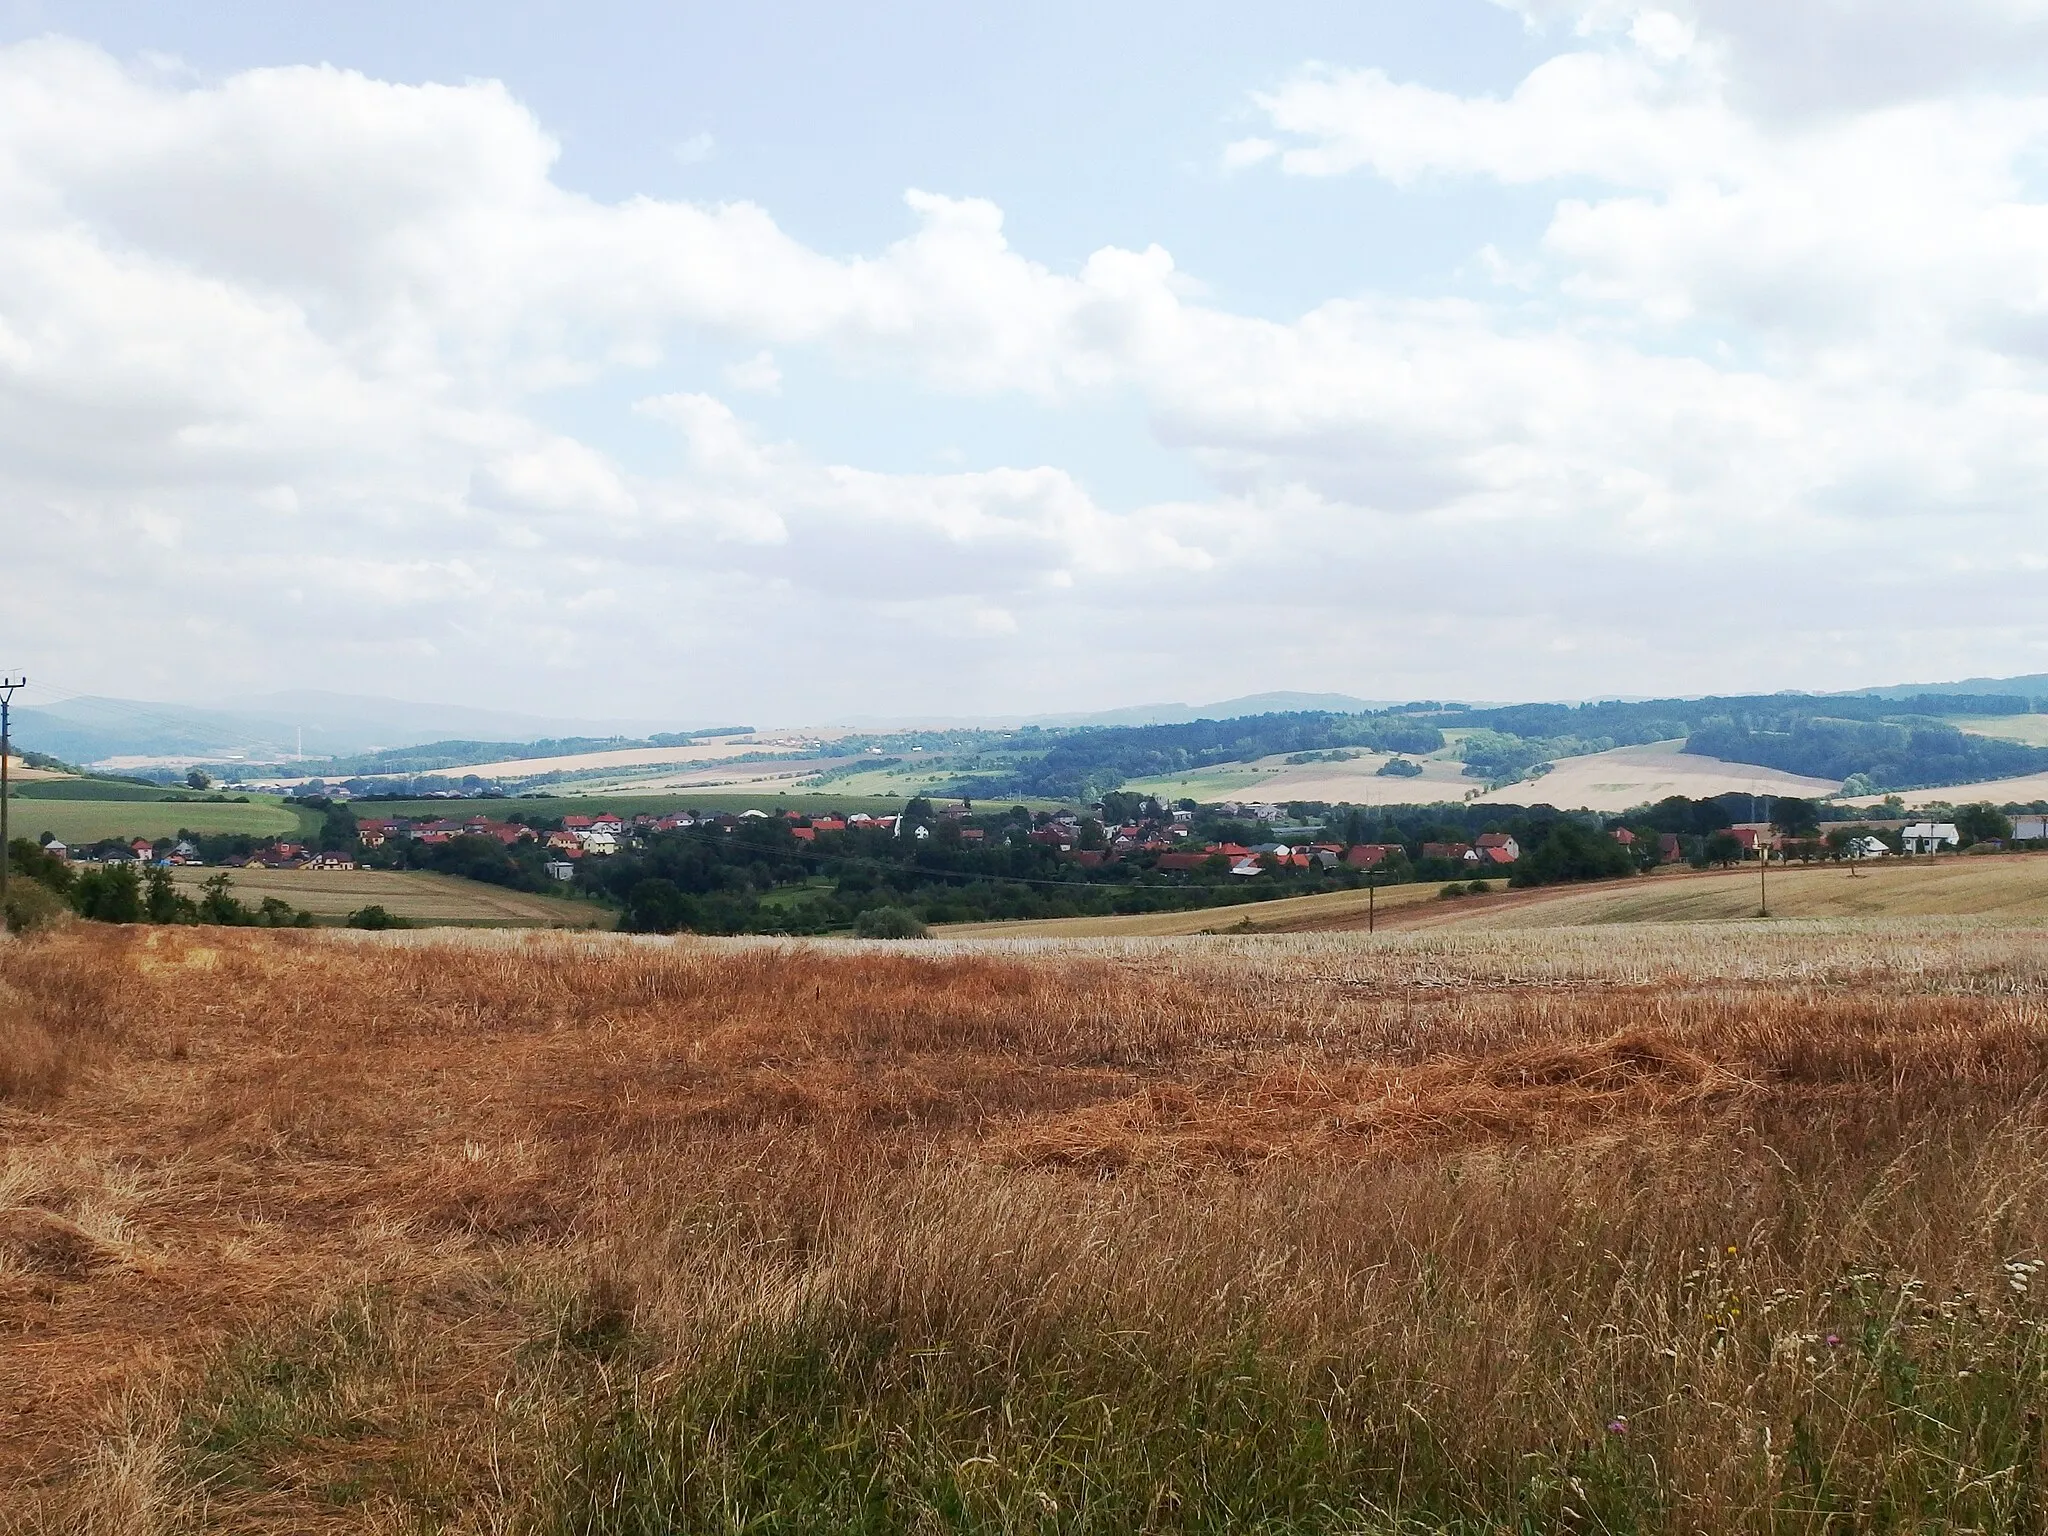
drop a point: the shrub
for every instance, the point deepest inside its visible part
(890, 923)
(31, 905)
(375, 918)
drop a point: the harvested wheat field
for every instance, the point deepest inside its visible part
(1651, 1229)
(416, 895)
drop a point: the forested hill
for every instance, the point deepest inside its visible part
(1891, 743)
(1887, 755)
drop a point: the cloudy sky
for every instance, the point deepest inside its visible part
(794, 361)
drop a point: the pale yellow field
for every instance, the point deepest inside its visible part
(789, 772)
(1632, 776)
(2000, 888)
(1292, 914)
(1350, 783)
(415, 895)
(622, 757)
(2031, 729)
(20, 772)
(2023, 791)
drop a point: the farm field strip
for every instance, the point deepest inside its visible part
(1333, 907)
(1625, 777)
(85, 821)
(2030, 729)
(1990, 888)
(708, 753)
(2025, 790)
(1354, 782)
(417, 895)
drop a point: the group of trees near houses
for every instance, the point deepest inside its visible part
(756, 876)
(41, 886)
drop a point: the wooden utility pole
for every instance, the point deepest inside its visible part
(1371, 898)
(7, 687)
(1763, 895)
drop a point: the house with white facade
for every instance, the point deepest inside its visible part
(1931, 836)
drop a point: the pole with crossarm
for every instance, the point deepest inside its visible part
(7, 687)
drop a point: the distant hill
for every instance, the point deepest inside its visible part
(1226, 709)
(273, 726)
(2033, 685)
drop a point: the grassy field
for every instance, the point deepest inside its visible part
(71, 787)
(1651, 1229)
(411, 894)
(85, 821)
(2031, 729)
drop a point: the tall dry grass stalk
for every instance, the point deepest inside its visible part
(1653, 1231)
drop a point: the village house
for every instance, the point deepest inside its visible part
(330, 861)
(1370, 855)
(1931, 836)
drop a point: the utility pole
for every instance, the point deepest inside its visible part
(1372, 887)
(7, 687)
(1763, 860)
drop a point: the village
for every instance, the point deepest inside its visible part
(1151, 837)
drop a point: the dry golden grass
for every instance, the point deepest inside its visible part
(1998, 888)
(497, 1232)
(1288, 914)
(2008, 888)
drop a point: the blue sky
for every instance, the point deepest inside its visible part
(740, 359)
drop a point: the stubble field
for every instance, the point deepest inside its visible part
(1661, 1228)
(415, 895)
